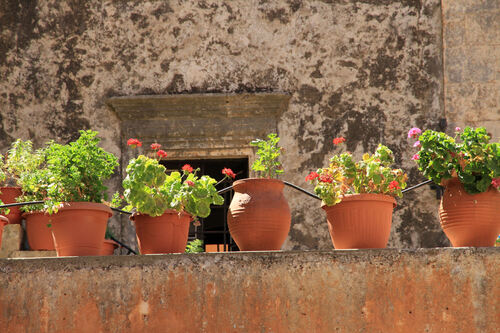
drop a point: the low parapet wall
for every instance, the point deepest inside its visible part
(428, 290)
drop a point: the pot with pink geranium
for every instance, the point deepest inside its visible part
(164, 203)
(359, 197)
(468, 166)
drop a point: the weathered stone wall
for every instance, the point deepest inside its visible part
(471, 31)
(430, 290)
(364, 69)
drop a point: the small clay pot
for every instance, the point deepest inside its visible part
(470, 219)
(8, 195)
(38, 231)
(259, 216)
(108, 247)
(360, 221)
(167, 233)
(78, 228)
(3, 222)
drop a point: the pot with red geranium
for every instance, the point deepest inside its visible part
(358, 197)
(259, 216)
(76, 173)
(165, 203)
(468, 166)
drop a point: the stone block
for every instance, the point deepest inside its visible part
(11, 239)
(33, 254)
(454, 33)
(480, 67)
(482, 28)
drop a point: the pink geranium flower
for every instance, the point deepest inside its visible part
(415, 157)
(414, 132)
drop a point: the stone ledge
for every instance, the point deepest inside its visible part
(445, 289)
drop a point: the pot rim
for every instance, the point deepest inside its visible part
(4, 220)
(364, 197)
(35, 212)
(83, 205)
(257, 180)
(168, 211)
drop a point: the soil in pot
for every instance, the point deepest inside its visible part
(470, 219)
(167, 233)
(38, 231)
(78, 228)
(259, 216)
(8, 195)
(361, 221)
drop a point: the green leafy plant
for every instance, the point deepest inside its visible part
(267, 165)
(469, 156)
(77, 171)
(195, 246)
(151, 191)
(370, 175)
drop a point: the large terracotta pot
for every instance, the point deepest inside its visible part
(78, 228)
(167, 233)
(360, 221)
(108, 247)
(470, 219)
(3, 222)
(259, 216)
(8, 195)
(38, 232)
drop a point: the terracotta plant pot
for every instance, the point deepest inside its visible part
(37, 230)
(78, 228)
(3, 222)
(259, 216)
(470, 219)
(361, 221)
(167, 233)
(8, 195)
(108, 247)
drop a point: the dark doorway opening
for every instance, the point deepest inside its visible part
(213, 230)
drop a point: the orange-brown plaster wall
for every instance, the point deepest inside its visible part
(433, 290)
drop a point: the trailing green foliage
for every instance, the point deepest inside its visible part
(370, 175)
(195, 246)
(474, 160)
(267, 165)
(151, 191)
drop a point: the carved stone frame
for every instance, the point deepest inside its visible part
(198, 126)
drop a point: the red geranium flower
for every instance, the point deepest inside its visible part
(325, 178)
(228, 172)
(155, 146)
(187, 168)
(394, 185)
(495, 182)
(312, 176)
(190, 183)
(161, 153)
(134, 143)
(338, 140)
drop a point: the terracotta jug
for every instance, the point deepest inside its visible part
(259, 216)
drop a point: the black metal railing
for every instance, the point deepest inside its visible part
(224, 190)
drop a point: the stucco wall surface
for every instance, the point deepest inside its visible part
(367, 70)
(471, 38)
(431, 290)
